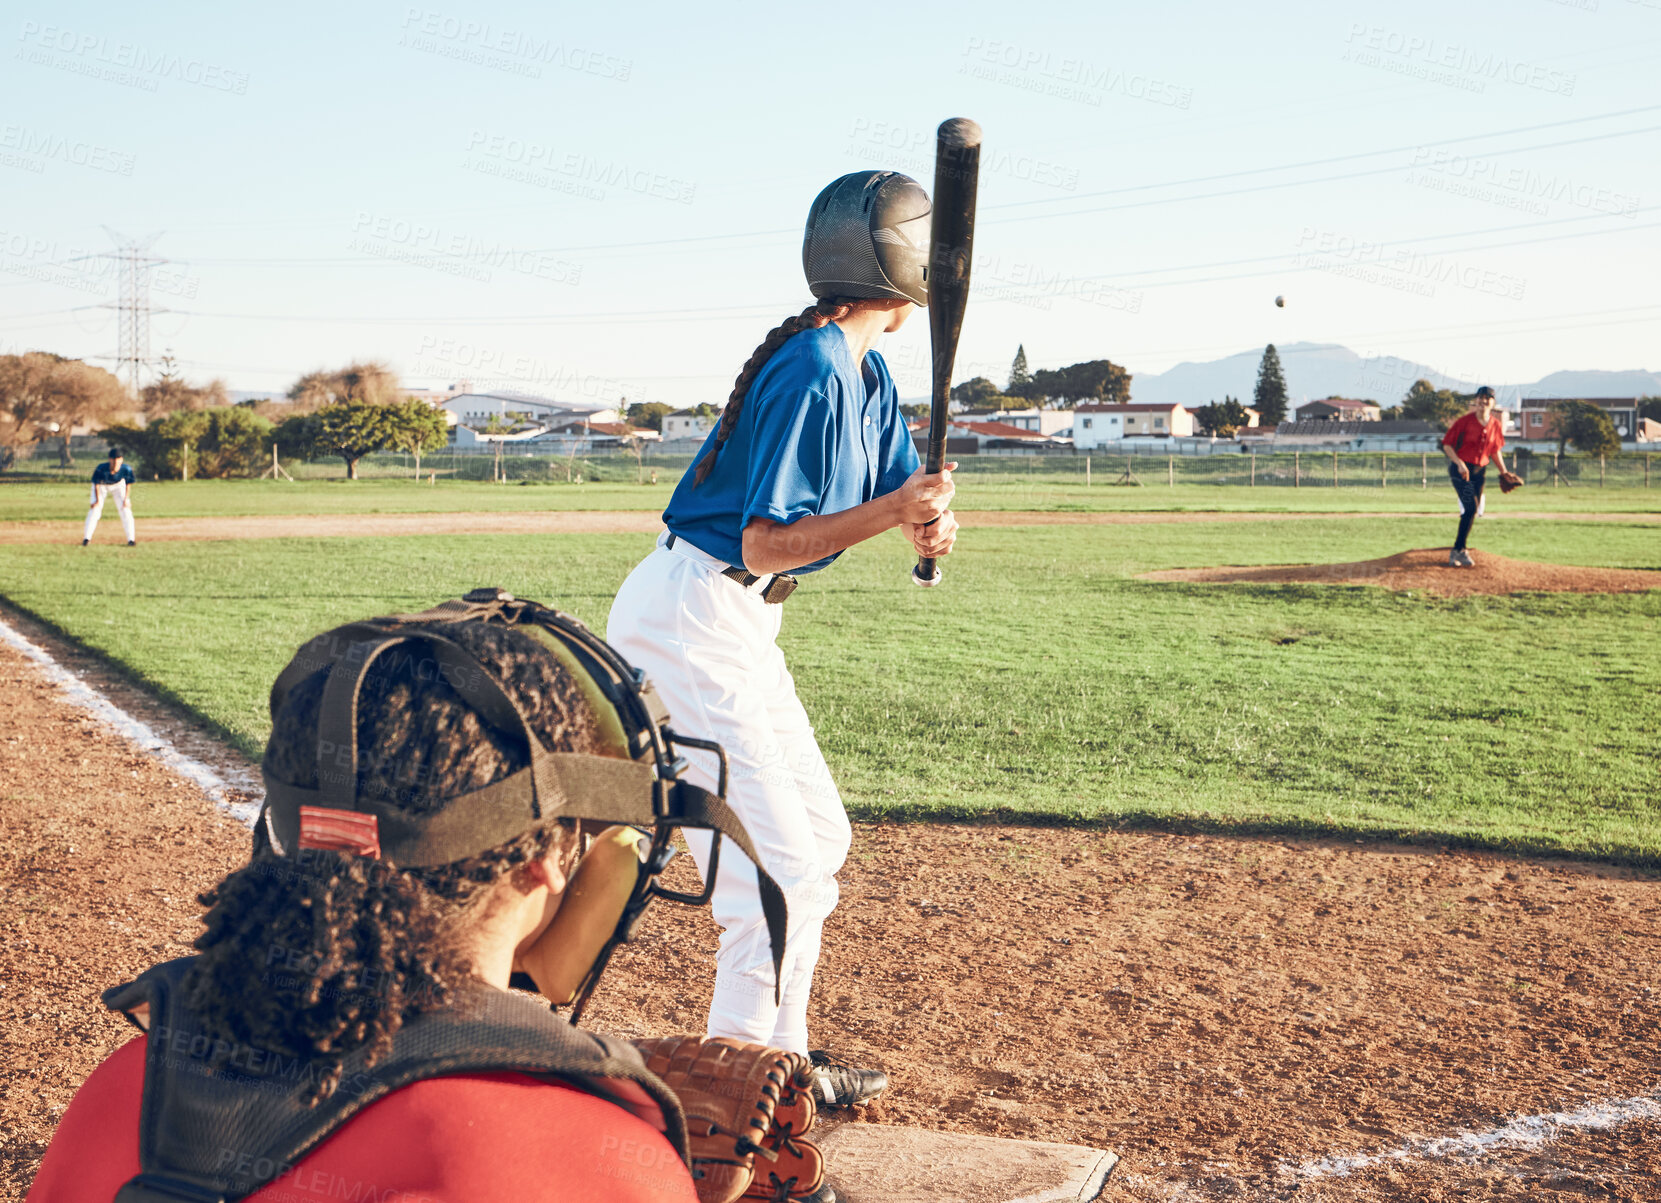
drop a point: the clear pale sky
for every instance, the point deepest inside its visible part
(590, 201)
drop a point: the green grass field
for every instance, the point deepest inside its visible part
(1042, 679)
(980, 487)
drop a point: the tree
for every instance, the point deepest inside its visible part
(1096, 380)
(417, 427)
(1019, 377)
(370, 381)
(1222, 418)
(1427, 403)
(356, 407)
(185, 429)
(1045, 384)
(43, 395)
(1586, 426)
(979, 393)
(496, 427)
(354, 429)
(170, 394)
(237, 443)
(311, 392)
(226, 441)
(299, 436)
(635, 446)
(913, 413)
(1269, 398)
(83, 396)
(25, 401)
(1091, 380)
(647, 414)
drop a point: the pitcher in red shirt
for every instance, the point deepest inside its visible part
(453, 798)
(1474, 439)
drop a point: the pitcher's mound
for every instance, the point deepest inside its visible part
(1427, 569)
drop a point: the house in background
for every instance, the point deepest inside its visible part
(437, 396)
(583, 437)
(519, 418)
(467, 438)
(1388, 434)
(1337, 409)
(967, 437)
(477, 409)
(686, 424)
(1041, 421)
(1094, 425)
(1536, 421)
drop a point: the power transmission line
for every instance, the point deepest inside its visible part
(133, 264)
(1365, 154)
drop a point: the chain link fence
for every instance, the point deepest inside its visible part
(1308, 469)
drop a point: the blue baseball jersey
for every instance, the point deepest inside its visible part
(101, 475)
(816, 435)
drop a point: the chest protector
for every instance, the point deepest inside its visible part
(219, 1120)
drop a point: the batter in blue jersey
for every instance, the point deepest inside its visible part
(816, 435)
(811, 456)
(112, 478)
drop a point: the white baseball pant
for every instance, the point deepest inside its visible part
(123, 505)
(708, 645)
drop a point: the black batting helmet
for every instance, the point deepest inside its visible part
(867, 237)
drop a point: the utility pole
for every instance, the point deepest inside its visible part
(133, 263)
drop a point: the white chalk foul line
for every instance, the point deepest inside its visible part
(139, 733)
(1524, 1132)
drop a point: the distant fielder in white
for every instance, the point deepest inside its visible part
(112, 479)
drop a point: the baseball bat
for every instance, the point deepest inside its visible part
(951, 247)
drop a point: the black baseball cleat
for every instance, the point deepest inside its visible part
(84, 542)
(132, 542)
(835, 1083)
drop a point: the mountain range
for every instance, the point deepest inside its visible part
(1315, 370)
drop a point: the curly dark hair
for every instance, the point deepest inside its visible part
(320, 954)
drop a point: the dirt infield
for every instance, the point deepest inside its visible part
(102, 854)
(1231, 1015)
(614, 522)
(1427, 570)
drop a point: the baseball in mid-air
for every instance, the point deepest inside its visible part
(1280, 302)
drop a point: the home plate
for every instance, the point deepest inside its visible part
(877, 1163)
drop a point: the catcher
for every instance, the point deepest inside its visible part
(453, 798)
(1472, 440)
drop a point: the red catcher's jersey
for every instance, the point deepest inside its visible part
(472, 1138)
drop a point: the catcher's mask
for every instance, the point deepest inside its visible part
(627, 804)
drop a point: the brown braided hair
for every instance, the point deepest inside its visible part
(815, 317)
(317, 955)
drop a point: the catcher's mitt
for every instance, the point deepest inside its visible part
(745, 1117)
(1509, 481)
